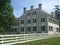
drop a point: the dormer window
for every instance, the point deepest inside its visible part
(29, 14)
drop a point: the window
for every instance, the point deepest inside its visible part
(28, 28)
(12, 29)
(42, 28)
(34, 20)
(34, 13)
(22, 21)
(34, 28)
(15, 29)
(53, 21)
(42, 19)
(57, 29)
(22, 29)
(16, 23)
(50, 28)
(29, 14)
(29, 21)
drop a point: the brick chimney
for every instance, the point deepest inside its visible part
(40, 6)
(24, 9)
(32, 7)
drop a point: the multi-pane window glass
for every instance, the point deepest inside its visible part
(34, 13)
(53, 21)
(34, 20)
(16, 23)
(42, 19)
(15, 29)
(50, 28)
(34, 28)
(29, 14)
(57, 29)
(29, 21)
(28, 28)
(42, 28)
(22, 21)
(12, 29)
(22, 29)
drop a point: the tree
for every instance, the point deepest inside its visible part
(57, 14)
(6, 15)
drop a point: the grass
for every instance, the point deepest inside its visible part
(50, 41)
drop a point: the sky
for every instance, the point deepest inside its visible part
(47, 5)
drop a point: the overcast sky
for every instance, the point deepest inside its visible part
(47, 5)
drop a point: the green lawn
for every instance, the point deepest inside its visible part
(50, 41)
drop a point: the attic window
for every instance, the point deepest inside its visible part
(29, 14)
